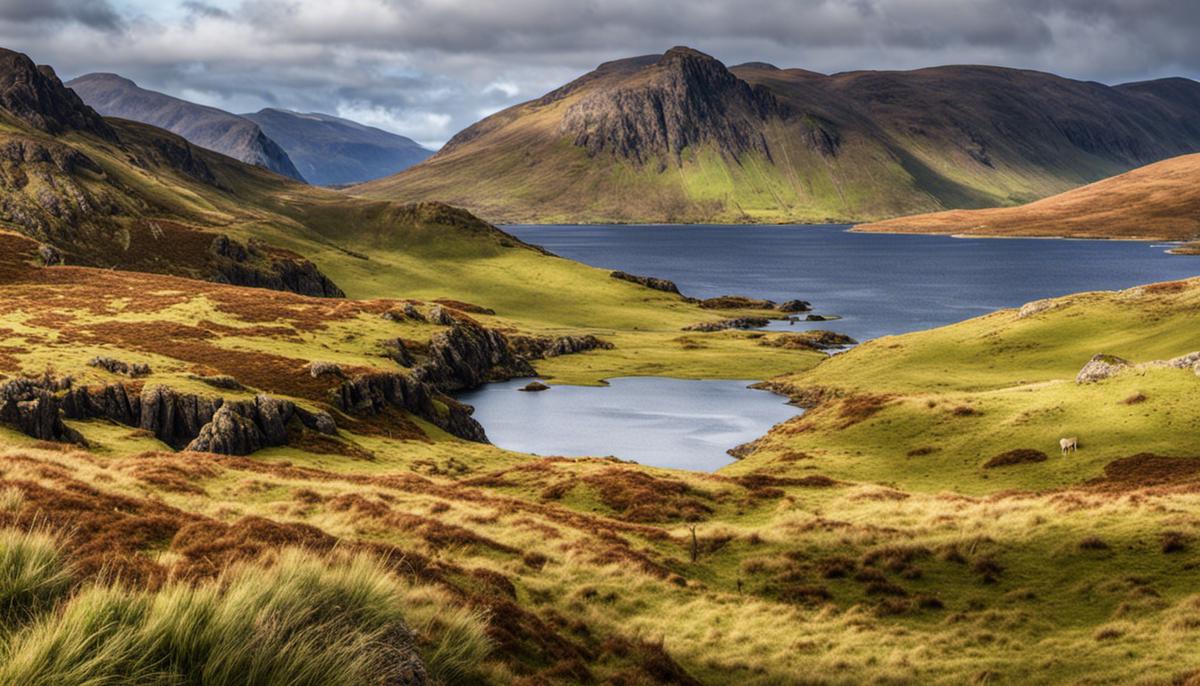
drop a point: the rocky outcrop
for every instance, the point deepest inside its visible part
(244, 427)
(687, 99)
(648, 281)
(793, 306)
(534, 387)
(135, 370)
(258, 265)
(1101, 367)
(810, 340)
(36, 96)
(540, 347)
(468, 355)
(31, 407)
(736, 302)
(371, 394)
(738, 323)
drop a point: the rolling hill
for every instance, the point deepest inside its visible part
(680, 137)
(331, 151)
(1160, 201)
(207, 127)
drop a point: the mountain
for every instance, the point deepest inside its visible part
(1160, 201)
(331, 151)
(680, 137)
(207, 127)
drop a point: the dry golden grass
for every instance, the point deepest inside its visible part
(1160, 201)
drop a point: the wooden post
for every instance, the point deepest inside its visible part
(695, 545)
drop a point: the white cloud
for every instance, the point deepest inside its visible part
(430, 129)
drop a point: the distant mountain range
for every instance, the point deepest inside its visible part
(207, 127)
(1160, 201)
(318, 148)
(681, 138)
(332, 151)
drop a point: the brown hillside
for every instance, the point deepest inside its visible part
(1160, 201)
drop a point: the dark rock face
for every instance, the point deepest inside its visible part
(810, 340)
(791, 306)
(36, 96)
(687, 98)
(175, 418)
(113, 366)
(32, 408)
(539, 347)
(371, 394)
(648, 281)
(466, 356)
(738, 323)
(736, 302)
(260, 266)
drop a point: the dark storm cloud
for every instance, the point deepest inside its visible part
(96, 13)
(431, 67)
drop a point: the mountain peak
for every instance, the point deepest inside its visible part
(682, 53)
(37, 97)
(687, 98)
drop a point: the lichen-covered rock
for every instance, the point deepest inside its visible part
(398, 352)
(441, 315)
(738, 323)
(1101, 367)
(370, 394)
(135, 370)
(37, 413)
(50, 255)
(792, 306)
(319, 369)
(175, 418)
(1037, 307)
(648, 281)
(229, 432)
(737, 302)
(538, 347)
(467, 356)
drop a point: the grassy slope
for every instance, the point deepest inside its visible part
(931, 556)
(903, 394)
(1159, 201)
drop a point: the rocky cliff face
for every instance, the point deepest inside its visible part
(259, 265)
(34, 95)
(685, 99)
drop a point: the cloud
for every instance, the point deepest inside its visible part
(418, 62)
(94, 13)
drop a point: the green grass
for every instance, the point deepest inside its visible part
(300, 620)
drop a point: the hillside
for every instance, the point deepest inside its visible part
(331, 151)
(203, 480)
(1160, 201)
(682, 138)
(207, 127)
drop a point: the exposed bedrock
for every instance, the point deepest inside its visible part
(258, 265)
(657, 284)
(539, 347)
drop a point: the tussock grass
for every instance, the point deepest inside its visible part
(33, 574)
(298, 620)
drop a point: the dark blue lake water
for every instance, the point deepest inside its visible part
(880, 284)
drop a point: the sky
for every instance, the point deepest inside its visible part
(428, 68)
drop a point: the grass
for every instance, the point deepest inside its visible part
(300, 620)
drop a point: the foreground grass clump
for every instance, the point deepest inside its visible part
(300, 620)
(33, 574)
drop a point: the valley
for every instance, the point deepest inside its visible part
(235, 447)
